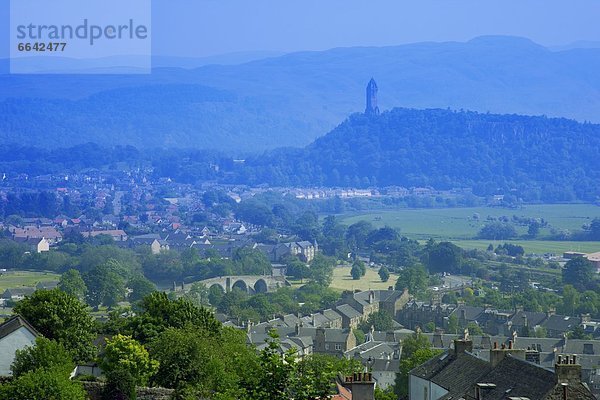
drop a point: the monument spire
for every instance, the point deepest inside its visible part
(372, 108)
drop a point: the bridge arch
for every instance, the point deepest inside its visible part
(261, 286)
(216, 286)
(240, 284)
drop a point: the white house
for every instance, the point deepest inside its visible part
(15, 334)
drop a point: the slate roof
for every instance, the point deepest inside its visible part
(517, 378)
(348, 311)
(455, 373)
(22, 291)
(13, 323)
(471, 313)
(533, 318)
(561, 323)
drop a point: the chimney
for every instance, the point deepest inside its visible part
(437, 339)
(565, 391)
(481, 387)
(567, 370)
(361, 385)
(371, 297)
(462, 345)
(390, 337)
(486, 342)
(498, 354)
(320, 339)
(586, 318)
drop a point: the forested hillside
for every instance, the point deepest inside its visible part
(292, 99)
(532, 157)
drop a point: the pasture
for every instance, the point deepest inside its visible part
(342, 280)
(16, 279)
(461, 225)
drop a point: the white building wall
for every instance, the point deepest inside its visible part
(421, 389)
(9, 345)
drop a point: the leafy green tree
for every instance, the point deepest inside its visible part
(382, 234)
(42, 384)
(321, 269)
(497, 231)
(380, 321)
(198, 294)
(355, 272)
(384, 274)
(46, 354)
(595, 229)
(578, 272)
(157, 313)
(540, 332)
(72, 283)
(579, 333)
(123, 353)
(194, 360)
(251, 262)
(413, 278)
(416, 350)
(140, 288)
(475, 329)
(356, 235)
(63, 318)
(297, 269)
(444, 257)
(106, 284)
(453, 325)
(275, 376)
(317, 374)
(533, 228)
(333, 241)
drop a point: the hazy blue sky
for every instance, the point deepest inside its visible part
(208, 27)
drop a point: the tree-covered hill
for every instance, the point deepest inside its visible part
(292, 99)
(532, 157)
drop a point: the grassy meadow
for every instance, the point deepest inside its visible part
(342, 280)
(15, 279)
(461, 225)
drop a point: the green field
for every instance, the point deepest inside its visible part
(15, 279)
(460, 226)
(342, 280)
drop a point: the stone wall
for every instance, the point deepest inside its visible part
(94, 390)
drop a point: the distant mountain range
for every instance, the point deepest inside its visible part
(292, 99)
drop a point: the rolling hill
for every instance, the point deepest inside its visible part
(292, 99)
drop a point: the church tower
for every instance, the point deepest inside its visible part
(372, 108)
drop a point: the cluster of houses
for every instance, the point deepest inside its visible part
(507, 369)
(331, 332)
(495, 322)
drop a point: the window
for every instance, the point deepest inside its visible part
(326, 346)
(338, 346)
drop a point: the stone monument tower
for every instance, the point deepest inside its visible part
(372, 108)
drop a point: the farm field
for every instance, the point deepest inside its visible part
(15, 279)
(460, 225)
(534, 246)
(343, 281)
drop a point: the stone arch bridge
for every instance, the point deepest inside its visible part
(249, 284)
